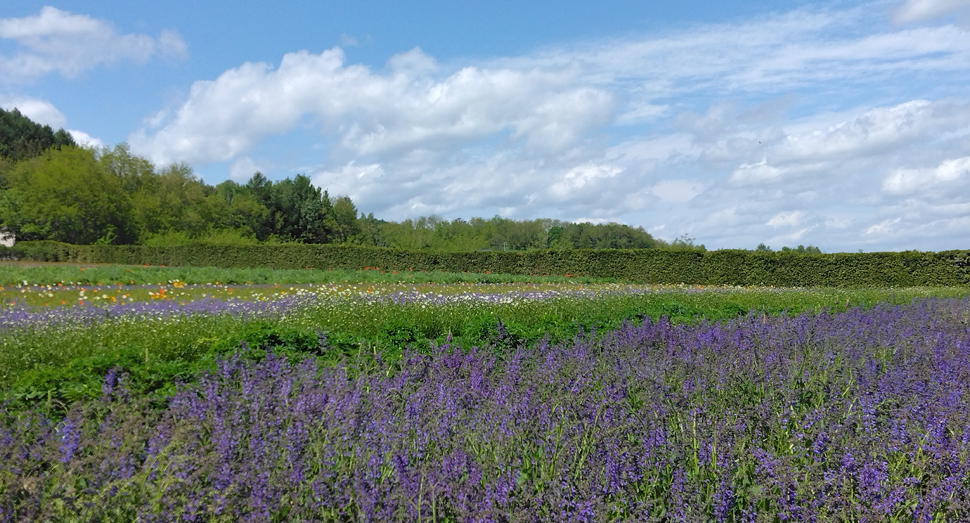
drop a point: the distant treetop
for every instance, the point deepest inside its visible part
(21, 138)
(801, 249)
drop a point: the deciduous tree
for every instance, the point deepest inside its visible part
(66, 195)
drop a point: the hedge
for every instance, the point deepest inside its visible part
(722, 267)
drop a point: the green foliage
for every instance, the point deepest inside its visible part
(300, 211)
(722, 267)
(66, 365)
(21, 138)
(211, 236)
(66, 195)
(170, 205)
(801, 249)
(503, 234)
(686, 243)
(12, 274)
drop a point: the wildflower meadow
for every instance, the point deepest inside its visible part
(378, 398)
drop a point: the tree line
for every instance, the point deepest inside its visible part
(21, 138)
(52, 189)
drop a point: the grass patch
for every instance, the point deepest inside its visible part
(60, 365)
(34, 273)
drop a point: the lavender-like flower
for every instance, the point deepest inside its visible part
(863, 415)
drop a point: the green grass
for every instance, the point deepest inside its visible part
(35, 274)
(60, 366)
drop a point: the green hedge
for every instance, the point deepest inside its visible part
(723, 267)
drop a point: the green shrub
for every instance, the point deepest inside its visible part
(723, 267)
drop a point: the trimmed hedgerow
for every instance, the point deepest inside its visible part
(722, 267)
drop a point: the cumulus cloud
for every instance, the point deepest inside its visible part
(882, 228)
(920, 10)
(851, 172)
(371, 113)
(243, 169)
(44, 112)
(677, 190)
(85, 140)
(732, 133)
(786, 219)
(40, 111)
(69, 44)
(950, 175)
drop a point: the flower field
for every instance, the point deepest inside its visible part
(536, 400)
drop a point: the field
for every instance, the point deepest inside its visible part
(169, 394)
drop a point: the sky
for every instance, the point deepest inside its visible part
(844, 125)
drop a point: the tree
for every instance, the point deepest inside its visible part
(66, 195)
(345, 215)
(555, 237)
(371, 231)
(176, 200)
(260, 186)
(801, 249)
(21, 138)
(241, 209)
(686, 243)
(134, 171)
(297, 210)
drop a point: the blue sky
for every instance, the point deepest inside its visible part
(844, 125)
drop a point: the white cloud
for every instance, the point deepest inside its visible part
(786, 219)
(40, 111)
(69, 44)
(641, 113)
(920, 10)
(876, 131)
(370, 113)
(350, 179)
(816, 149)
(44, 113)
(243, 169)
(837, 222)
(85, 140)
(776, 53)
(677, 190)
(582, 178)
(952, 170)
(951, 175)
(884, 227)
(721, 131)
(905, 160)
(171, 45)
(759, 172)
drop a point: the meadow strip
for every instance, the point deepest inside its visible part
(861, 415)
(36, 274)
(60, 354)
